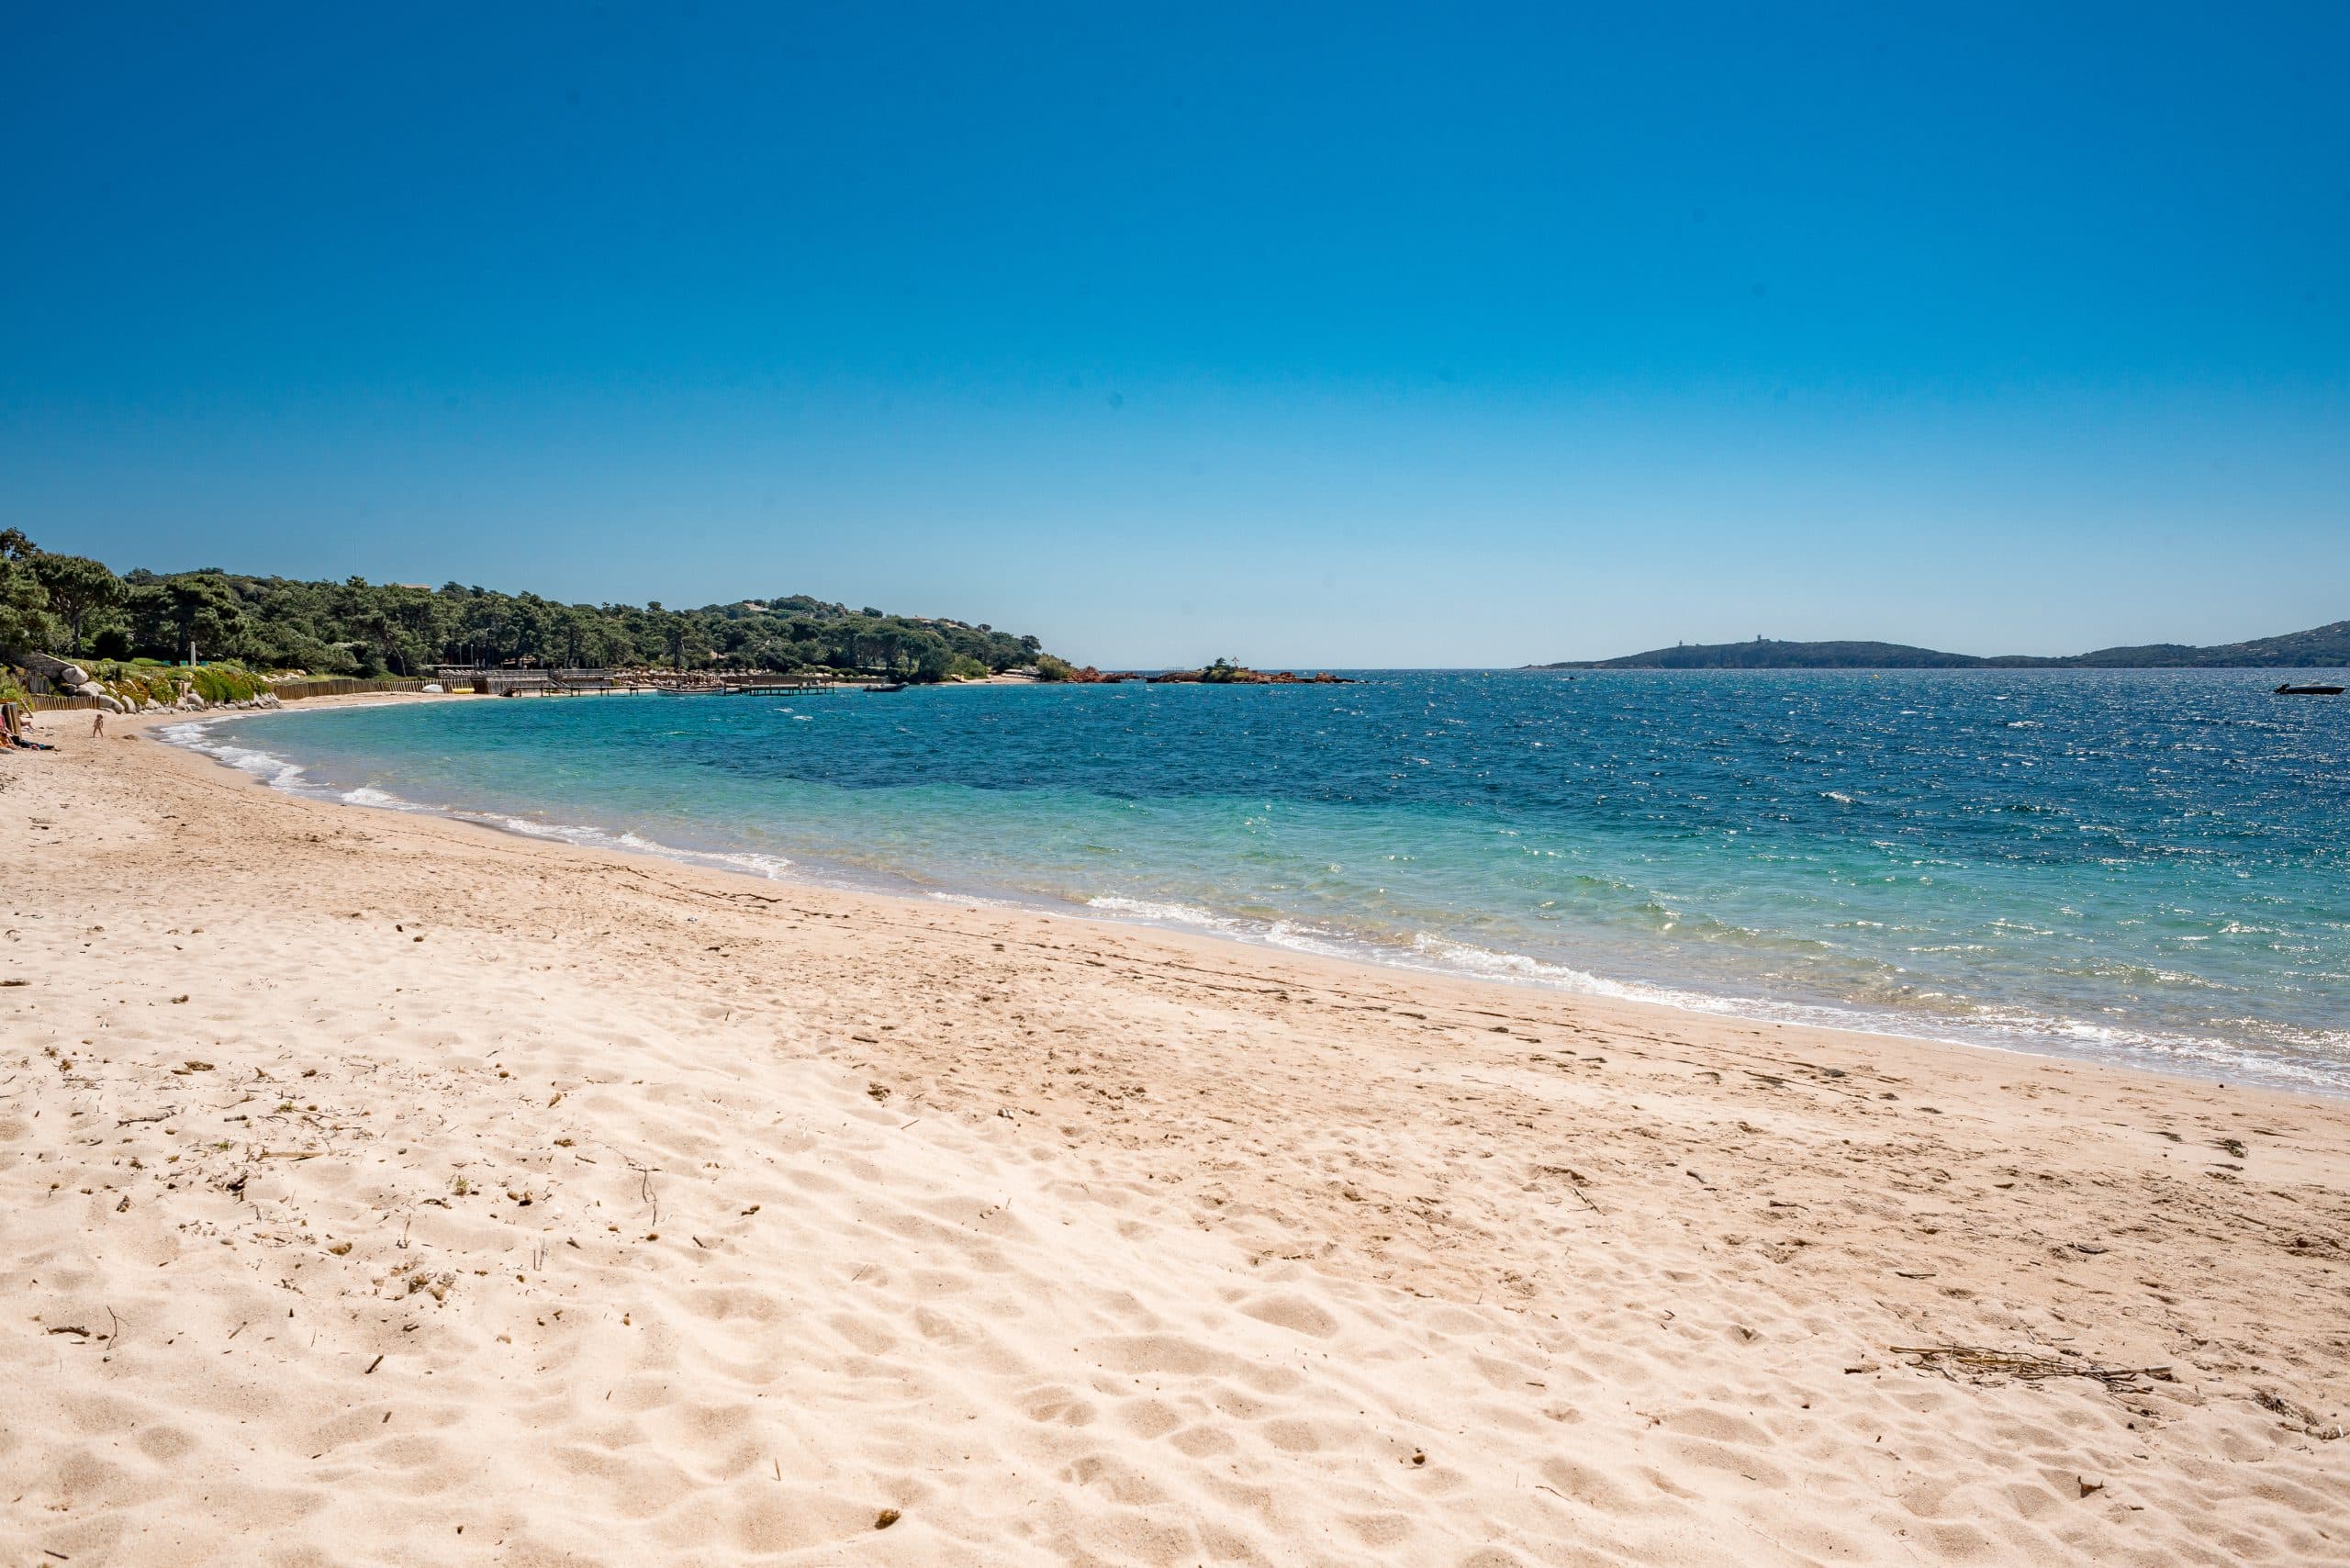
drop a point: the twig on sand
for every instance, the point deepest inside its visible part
(1575, 1180)
(644, 1188)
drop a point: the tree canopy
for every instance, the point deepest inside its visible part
(71, 605)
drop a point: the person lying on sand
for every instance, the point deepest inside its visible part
(16, 725)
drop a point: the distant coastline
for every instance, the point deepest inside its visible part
(2320, 647)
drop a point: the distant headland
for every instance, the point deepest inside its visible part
(2320, 647)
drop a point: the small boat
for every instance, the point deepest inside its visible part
(2309, 689)
(888, 685)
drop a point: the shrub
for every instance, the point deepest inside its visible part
(144, 680)
(1051, 669)
(222, 683)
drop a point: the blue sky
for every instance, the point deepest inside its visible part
(1336, 335)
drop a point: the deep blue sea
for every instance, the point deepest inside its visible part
(2147, 866)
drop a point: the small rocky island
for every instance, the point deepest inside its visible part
(1224, 672)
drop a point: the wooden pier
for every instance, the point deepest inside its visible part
(785, 686)
(763, 686)
(513, 682)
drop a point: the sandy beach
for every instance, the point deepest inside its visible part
(379, 1189)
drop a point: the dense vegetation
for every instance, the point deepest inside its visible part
(76, 607)
(2321, 647)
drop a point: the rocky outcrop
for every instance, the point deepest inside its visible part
(60, 674)
(1221, 673)
(1242, 676)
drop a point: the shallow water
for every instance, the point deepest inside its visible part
(2149, 865)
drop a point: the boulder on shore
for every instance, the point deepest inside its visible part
(56, 671)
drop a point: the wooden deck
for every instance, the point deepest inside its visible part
(777, 686)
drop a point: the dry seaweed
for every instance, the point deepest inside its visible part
(2299, 1418)
(2027, 1366)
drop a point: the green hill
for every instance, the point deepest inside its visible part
(75, 607)
(1764, 653)
(2320, 647)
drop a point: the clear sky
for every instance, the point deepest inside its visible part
(1347, 334)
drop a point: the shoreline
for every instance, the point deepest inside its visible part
(381, 1187)
(2283, 1077)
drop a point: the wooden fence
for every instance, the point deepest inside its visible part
(52, 704)
(294, 691)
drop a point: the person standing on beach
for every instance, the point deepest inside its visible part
(98, 725)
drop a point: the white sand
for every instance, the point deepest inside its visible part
(374, 1189)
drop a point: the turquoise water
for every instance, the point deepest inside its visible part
(2150, 866)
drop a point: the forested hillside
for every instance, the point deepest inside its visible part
(75, 606)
